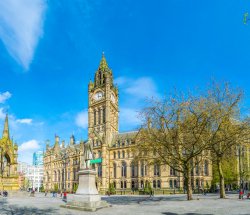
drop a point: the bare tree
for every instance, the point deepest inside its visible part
(227, 129)
(176, 130)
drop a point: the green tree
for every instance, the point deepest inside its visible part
(56, 188)
(75, 187)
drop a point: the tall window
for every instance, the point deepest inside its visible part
(175, 183)
(206, 167)
(157, 169)
(99, 168)
(119, 155)
(114, 169)
(133, 170)
(119, 143)
(122, 184)
(99, 116)
(142, 169)
(124, 169)
(123, 154)
(154, 183)
(158, 184)
(103, 115)
(132, 184)
(94, 117)
(197, 172)
(171, 184)
(114, 155)
(142, 184)
(55, 176)
(172, 171)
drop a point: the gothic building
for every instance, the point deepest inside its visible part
(8, 161)
(113, 154)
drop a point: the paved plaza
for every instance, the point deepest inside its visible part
(165, 205)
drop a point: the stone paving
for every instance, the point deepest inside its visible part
(165, 205)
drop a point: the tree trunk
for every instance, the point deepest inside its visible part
(222, 185)
(187, 179)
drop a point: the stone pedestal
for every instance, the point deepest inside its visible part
(86, 197)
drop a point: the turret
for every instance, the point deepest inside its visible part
(6, 128)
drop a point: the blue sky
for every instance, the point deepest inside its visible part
(49, 50)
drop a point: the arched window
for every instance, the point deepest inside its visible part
(119, 143)
(124, 169)
(99, 116)
(123, 142)
(132, 184)
(197, 169)
(175, 183)
(100, 77)
(122, 184)
(94, 117)
(114, 155)
(119, 156)
(99, 168)
(103, 115)
(123, 154)
(142, 184)
(146, 169)
(55, 176)
(99, 154)
(197, 183)
(114, 184)
(158, 184)
(206, 167)
(133, 170)
(171, 184)
(59, 175)
(142, 169)
(125, 184)
(156, 169)
(154, 183)
(114, 169)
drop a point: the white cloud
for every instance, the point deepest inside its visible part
(129, 117)
(24, 121)
(140, 88)
(4, 96)
(21, 27)
(2, 114)
(30, 145)
(26, 150)
(82, 119)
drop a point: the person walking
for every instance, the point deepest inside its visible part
(65, 196)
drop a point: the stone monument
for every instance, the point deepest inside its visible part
(86, 197)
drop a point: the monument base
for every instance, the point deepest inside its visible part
(86, 197)
(85, 203)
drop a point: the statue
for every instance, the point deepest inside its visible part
(87, 155)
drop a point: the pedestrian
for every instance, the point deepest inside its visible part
(65, 196)
(241, 192)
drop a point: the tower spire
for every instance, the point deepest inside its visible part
(103, 63)
(6, 128)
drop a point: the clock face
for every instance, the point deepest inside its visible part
(112, 97)
(98, 96)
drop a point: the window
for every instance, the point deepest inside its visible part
(124, 169)
(142, 169)
(175, 183)
(99, 169)
(123, 143)
(114, 169)
(119, 155)
(158, 184)
(171, 184)
(142, 184)
(123, 154)
(99, 154)
(206, 168)
(146, 169)
(197, 169)
(103, 115)
(197, 183)
(119, 144)
(132, 170)
(154, 183)
(94, 117)
(172, 172)
(132, 184)
(99, 116)
(156, 170)
(114, 155)
(125, 184)
(114, 184)
(122, 184)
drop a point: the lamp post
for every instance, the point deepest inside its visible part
(240, 167)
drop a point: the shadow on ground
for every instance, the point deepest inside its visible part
(8, 209)
(128, 200)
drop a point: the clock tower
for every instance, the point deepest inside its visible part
(102, 116)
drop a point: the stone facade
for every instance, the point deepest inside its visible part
(8, 162)
(113, 154)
